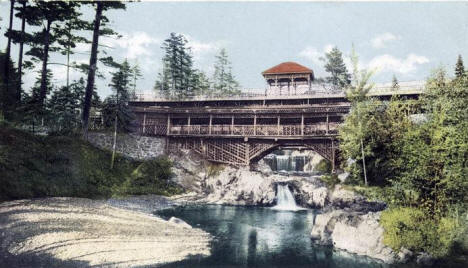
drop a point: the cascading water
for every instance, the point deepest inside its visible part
(285, 199)
(282, 162)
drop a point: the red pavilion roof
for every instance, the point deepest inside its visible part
(287, 68)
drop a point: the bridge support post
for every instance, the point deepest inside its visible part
(144, 124)
(278, 127)
(328, 126)
(168, 124)
(333, 156)
(255, 125)
(302, 125)
(232, 125)
(209, 127)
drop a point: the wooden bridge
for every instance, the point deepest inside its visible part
(243, 129)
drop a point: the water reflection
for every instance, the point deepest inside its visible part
(261, 237)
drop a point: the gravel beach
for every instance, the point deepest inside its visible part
(77, 232)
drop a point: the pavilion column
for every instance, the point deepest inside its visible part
(289, 90)
(302, 125)
(278, 126)
(232, 125)
(255, 125)
(294, 85)
(211, 121)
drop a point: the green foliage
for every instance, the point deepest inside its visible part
(335, 65)
(175, 80)
(330, 179)
(324, 166)
(395, 84)
(115, 107)
(151, 177)
(414, 229)
(224, 83)
(35, 166)
(213, 169)
(460, 68)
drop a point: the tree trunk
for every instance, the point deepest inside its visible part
(8, 48)
(363, 163)
(20, 57)
(114, 143)
(45, 57)
(92, 70)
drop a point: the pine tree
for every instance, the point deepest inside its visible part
(224, 83)
(395, 84)
(202, 83)
(176, 78)
(63, 106)
(48, 15)
(99, 21)
(460, 68)
(136, 73)
(116, 105)
(334, 65)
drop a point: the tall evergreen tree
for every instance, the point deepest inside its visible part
(224, 83)
(460, 68)
(99, 20)
(48, 15)
(395, 84)
(136, 73)
(6, 67)
(334, 64)
(176, 78)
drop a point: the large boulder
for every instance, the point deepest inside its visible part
(354, 232)
(341, 198)
(240, 186)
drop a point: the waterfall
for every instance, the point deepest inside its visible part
(282, 162)
(285, 199)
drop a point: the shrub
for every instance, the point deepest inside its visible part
(416, 230)
(330, 179)
(324, 166)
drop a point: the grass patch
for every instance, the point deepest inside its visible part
(34, 166)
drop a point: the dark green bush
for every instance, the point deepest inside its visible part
(417, 230)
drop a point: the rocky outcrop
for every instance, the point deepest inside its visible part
(341, 198)
(354, 232)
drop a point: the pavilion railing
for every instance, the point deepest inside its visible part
(316, 90)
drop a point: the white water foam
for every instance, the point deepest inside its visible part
(285, 199)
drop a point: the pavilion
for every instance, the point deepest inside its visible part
(287, 76)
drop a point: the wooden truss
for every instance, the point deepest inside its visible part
(243, 152)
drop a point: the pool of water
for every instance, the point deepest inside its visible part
(261, 237)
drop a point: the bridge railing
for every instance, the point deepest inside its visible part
(257, 130)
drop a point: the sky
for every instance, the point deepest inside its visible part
(405, 39)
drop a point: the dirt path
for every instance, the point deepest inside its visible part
(83, 232)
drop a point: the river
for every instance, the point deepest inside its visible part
(261, 237)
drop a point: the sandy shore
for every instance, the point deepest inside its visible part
(77, 232)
